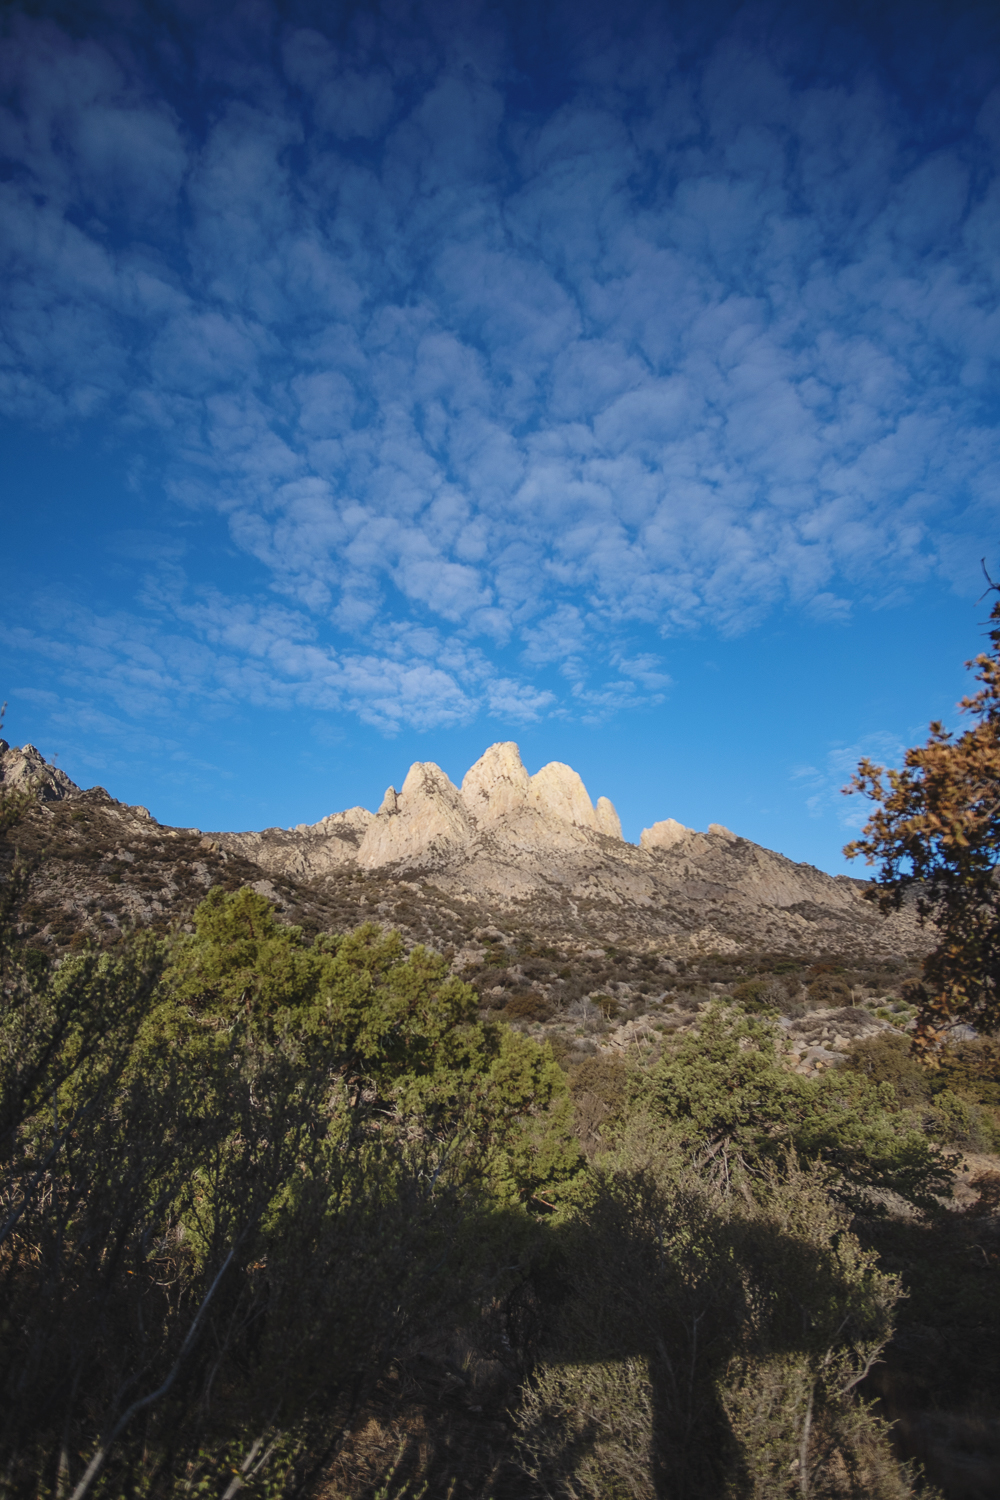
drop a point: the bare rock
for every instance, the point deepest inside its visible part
(350, 825)
(557, 791)
(25, 769)
(720, 831)
(429, 824)
(497, 785)
(304, 852)
(664, 835)
(608, 821)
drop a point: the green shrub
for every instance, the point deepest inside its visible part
(755, 995)
(264, 1166)
(605, 1078)
(586, 1430)
(972, 1069)
(732, 1106)
(708, 1342)
(887, 1059)
(958, 1123)
(829, 990)
(529, 1005)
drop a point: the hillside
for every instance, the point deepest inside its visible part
(608, 954)
(440, 862)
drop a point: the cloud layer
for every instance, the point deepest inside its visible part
(501, 352)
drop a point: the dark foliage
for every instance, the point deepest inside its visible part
(935, 833)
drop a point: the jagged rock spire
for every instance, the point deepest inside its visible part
(431, 818)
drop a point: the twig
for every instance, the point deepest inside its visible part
(97, 1462)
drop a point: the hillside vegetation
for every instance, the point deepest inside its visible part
(314, 1213)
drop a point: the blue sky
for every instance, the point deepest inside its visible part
(377, 382)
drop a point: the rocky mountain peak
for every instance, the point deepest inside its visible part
(608, 821)
(431, 820)
(26, 768)
(427, 818)
(557, 791)
(497, 785)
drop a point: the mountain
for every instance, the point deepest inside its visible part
(525, 852)
(536, 847)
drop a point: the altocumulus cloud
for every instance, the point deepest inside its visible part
(503, 341)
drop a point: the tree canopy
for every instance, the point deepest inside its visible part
(934, 835)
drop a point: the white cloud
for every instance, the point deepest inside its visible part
(686, 346)
(205, 648)
(826, 786)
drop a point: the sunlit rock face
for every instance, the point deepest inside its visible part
(427, 817)
(558, 793)
(431, 820)
(497, 786)
(665, 835)
(23, 768)
(608, 821)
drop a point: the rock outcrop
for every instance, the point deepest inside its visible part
(497, 786)
(608, 821)
(537, 848)
(558, 794)
(664, 835)
(426, 822)
(25, 769)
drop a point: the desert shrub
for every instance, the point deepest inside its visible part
(238, 1172)
(987, 1186)
(494, 1001)
(734, 1108)
(529, 1005)
(829, 990)
(585, 1012)
(756, 995)
(949, 1097)
(958, 1123)
(689, 1001)
(972, 1069)
(709, 1343)
(598, 1086)
(887, 1058)
(585, 1430)
(604, 1077)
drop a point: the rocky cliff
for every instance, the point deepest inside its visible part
(532, 850)
(538, 844)
(24, 769)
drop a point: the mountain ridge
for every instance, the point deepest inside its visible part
(528, 850)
